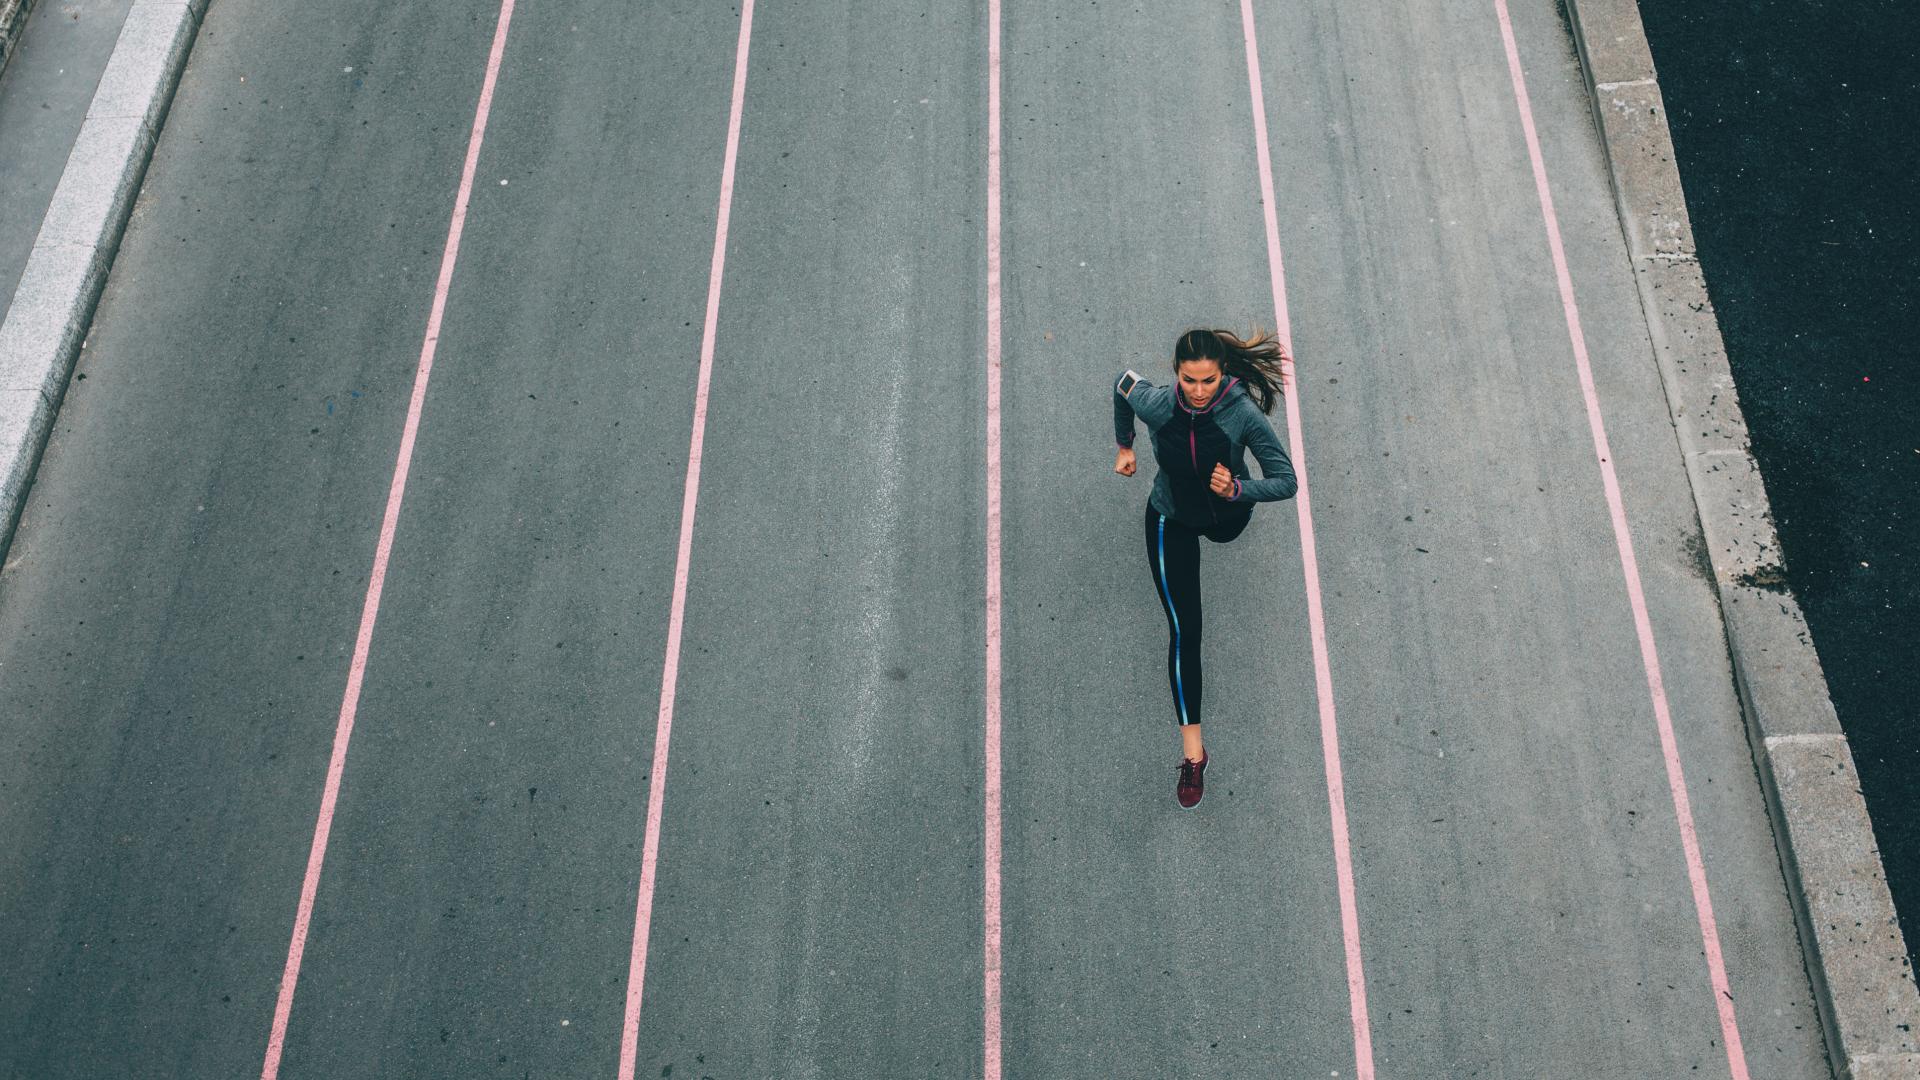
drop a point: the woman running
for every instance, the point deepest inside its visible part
(1202, 427)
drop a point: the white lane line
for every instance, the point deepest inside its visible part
(991, 857)
(670, 673)
(389, 523)
(1309, 557)
(1623, 542)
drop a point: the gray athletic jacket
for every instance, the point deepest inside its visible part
(1187, 443)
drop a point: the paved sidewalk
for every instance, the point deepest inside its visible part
(44, 93)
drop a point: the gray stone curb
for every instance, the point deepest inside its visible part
(47, 319)
(1856, 956)
(13, 19)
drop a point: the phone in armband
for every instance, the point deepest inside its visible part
(1127, 383)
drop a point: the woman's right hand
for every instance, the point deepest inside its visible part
(1124, 464)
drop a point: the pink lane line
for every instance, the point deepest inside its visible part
(370, 609)
(1623, 541)
(670, 675)
(1310, 560)
(991, 857)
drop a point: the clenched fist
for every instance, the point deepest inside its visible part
(1221, 482)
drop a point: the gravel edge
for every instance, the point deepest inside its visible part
(1855, 954)
(46, 321)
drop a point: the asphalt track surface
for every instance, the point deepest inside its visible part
(183, 601)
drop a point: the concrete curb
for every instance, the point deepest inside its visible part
(47, 320)
(1856, 956)
(13, 19)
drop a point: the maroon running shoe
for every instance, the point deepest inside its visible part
(1193, 781)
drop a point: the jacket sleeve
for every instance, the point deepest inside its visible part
(1122, 415)
(1151, 404)
(1254, 433)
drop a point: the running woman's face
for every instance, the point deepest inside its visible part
(1199, 381)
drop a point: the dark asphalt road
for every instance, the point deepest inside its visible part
(181, 598)
(1794, 124)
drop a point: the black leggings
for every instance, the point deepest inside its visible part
(1173, 555)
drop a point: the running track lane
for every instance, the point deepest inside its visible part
(389, 524)
(1329, 727)
(1310, 563)
(1630, 569)
(669, 675)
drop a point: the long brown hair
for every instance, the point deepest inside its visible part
(1257, 361)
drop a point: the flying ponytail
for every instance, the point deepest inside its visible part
(1257, 361)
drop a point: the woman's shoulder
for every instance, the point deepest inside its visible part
(1241, 412)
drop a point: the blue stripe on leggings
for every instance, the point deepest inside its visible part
(1179, 692)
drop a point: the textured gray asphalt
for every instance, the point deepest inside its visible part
(181, 597)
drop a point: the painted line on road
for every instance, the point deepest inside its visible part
(1630, 569)
(670, 673)
(1309, 557)
(991, 857)
(389, 523)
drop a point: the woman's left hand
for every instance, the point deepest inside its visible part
(1222, 482)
